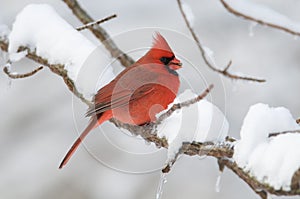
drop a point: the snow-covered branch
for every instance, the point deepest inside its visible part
(206, 53)
(262, 15)
(262, 189)
(55, 68)
(183, 104)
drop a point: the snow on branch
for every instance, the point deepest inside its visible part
(262, 15)
(55, 68)
(207, 53)
(39, 28)
(272, 160)
(40, 33)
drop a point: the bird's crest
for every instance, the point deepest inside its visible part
(160, 42)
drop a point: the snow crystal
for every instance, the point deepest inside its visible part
(271, 160)
(199, 122)
(188, 13)
(263, 13)
(40, 28)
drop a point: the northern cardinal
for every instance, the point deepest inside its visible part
(138, 93)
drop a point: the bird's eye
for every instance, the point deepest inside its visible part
(166, 60)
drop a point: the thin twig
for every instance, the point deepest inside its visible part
(100, 33)
(184, 104)
(88, 25)
(259, 21)
(19, 76)
(283, 132)
(204, 55)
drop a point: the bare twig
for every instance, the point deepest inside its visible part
(19, 76)
(259, 21)
(100, 33)
(283, 132)
(204, 55)
(184, 104)
(88, 25)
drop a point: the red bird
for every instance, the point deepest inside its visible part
(138, 93)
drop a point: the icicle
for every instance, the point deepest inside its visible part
(251, 28)
(162, 182)
(218, 182)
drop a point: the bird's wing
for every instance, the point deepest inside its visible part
(127, 90)
(120, 99)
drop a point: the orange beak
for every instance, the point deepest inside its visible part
(175, 64)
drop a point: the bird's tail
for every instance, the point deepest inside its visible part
(95, 121)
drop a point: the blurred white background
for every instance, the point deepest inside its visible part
(37, 125)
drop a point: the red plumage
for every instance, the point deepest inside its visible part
(138, 93)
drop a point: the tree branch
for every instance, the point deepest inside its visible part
(206, 59)
(184, 104)
(259, 21)
(19, 76)
(89, 25)
(100, 33)
(283, 132)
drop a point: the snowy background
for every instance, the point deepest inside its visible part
(40, 117)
